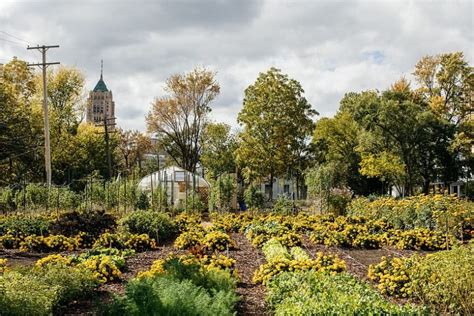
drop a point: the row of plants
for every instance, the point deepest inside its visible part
(61, 243)
(319, 293)
(106, 264)
(279, 260)
(44, 289)
(206, 240)
(445, 213)
(179, 286)
(141, 230)
(342, 231)
(443, 280)
(95, 194)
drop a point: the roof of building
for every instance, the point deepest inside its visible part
(171, 174)
(101, 86)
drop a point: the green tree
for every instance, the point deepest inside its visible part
(65, 93)
(446, 83)
(179, 118)
(385, 166)
(321, 179)
(20, 124)
(336, 140)
(65, 98)
(398, 122)
(222, 191)
(276, 120)
(218, 147)
(90, 152)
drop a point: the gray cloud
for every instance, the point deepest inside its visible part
(331, 47)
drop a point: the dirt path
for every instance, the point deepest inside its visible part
(248, 259)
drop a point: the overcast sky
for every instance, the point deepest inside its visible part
(331, 47)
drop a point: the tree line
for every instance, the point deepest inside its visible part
(408, 136)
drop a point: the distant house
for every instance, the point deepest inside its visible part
(282, 186)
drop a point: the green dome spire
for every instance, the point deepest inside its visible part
(101, 86)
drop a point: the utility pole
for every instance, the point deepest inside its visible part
(106, 124)
(47, 146)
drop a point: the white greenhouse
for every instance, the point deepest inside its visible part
(173, 180)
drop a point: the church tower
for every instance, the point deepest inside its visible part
(101, 104)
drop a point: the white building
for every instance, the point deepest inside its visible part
(176, 182)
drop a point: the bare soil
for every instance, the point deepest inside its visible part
(248, 259)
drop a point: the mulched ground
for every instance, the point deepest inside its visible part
(139, 262)
(248, 259)
(16, 257)
(357, 260)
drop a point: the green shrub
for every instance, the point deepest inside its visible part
(143, 203)
(123, 241)
(310, 293)
(166, 295)
(283, 206)
(7, 200)
(20, 225)
(273, 249)
(196, 203)
(72, 282)
(445, 281)
(93, 223)
(26, 295)
(254, 198)
(445, 213)
(212, 280)
(184, 289)
(157, 225)
(43, 290)
(222, 191)
(49, 243)
(36, 195)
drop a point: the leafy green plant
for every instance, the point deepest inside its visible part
(7, 199)
(73, 282)
(310, 293)
(49, 243)
(26, 295)
(445, 213)
(43, 289)
(443, 280)
(123, 241)
(157, 225)
(254, 197)
(143, 202)
(283, 205)
(179, 289)
(93, 223)
(222, 191)
(165, 295)
(21, 225)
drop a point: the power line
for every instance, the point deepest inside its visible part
(15, 37)
(10, 41)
